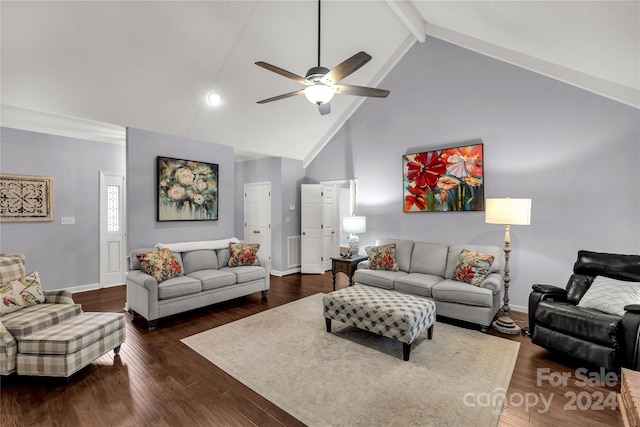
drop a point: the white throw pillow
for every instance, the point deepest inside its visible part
(610, 295)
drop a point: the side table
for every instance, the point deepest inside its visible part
(345, 265)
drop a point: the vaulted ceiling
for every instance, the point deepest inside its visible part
(91, 68)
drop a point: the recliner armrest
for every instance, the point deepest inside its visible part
(551, 292)
(543, 293)
(633, 308)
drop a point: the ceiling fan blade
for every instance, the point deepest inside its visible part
(361, 91)
(285, 73)
(283, 96)
(324, 108)
(345, 68)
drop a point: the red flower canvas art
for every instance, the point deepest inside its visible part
(444, 180)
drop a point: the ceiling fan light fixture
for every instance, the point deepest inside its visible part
(319, 93)
(213, 99)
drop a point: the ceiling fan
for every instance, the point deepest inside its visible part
(322, 83)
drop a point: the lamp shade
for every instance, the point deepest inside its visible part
(319, 93)
(508, 211)
(354, 224)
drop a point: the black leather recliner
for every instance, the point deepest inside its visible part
(598, 339)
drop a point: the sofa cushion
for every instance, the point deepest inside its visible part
(243, 254)
(246, 273)
(378, 278)
(21, 293)
(429, 258)
(459, 292)
(11, 267)
(161, 264)
(382, 257)
(404, 248)
(610, 295)
(585, 323)
(454, 251)
(204, 259)
(178, 286)
(417, 284)
(214, 279)
(223, 257)
(37, 317)
(472, 267)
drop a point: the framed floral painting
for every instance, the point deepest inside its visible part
(444, 180)
(187, 190)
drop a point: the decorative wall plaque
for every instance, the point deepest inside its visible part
(26, 198)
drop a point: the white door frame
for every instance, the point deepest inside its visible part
(112, 273)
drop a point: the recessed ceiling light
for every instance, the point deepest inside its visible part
(213, 99)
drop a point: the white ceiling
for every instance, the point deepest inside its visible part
(150, 65)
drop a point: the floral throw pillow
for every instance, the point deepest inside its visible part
(21, 293)
(383, 257)
(160, 264)
(472, 267)
(243, 254)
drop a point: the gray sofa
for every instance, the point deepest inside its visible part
(206, 280)
(425, 270)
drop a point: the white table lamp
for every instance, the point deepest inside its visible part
(354, 225)
(507, 212)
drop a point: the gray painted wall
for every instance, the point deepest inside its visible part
(574, 153)
(143, 230)
(64, 255)
(285, 176)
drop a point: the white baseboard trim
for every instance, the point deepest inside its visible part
(519, 308)
(285, 272)
(89, 287)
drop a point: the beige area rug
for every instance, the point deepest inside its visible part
(350, 377)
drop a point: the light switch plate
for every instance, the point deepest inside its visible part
(67, 220)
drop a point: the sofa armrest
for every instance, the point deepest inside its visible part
(494, 282)
(363, 265)
(266, 263)
(140, 278)
(58, 297)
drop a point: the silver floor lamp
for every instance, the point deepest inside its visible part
(508, 212)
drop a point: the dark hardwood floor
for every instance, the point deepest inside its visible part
(158, 381)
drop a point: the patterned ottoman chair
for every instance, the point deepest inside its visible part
(44, 333)
(388, 313)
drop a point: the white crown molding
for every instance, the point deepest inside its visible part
(55, 124)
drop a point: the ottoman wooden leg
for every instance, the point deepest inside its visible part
(328, 322)
(116, 350)
(406, 350)
(430, 332)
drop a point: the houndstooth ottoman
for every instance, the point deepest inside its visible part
(392, 314)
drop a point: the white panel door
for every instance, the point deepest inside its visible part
(112, 230)
(330, 229)
(257, 216)
(311, 213)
